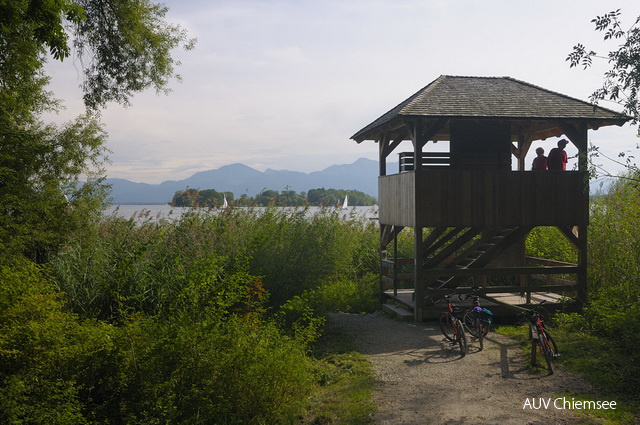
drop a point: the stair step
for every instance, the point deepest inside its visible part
(399, 312)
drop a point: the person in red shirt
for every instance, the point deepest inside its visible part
(540, 161)
(557, 159)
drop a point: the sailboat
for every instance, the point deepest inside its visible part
(345, 204)
(225, 204)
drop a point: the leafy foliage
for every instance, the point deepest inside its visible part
(187, 367)
(548, 242)
(206, 317)
(622, 81)
(126, 48)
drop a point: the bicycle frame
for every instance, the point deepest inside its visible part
(541, 338)
(452, 327)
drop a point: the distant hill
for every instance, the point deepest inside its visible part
(361, 175)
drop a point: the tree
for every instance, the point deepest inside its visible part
(124, 47)
(622, 81)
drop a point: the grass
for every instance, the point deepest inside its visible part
(593, 358)
(345, 383)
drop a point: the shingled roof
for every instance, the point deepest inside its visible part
(491, 98)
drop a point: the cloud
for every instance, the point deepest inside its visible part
(283, 84)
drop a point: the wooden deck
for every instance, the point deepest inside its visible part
(500, 304)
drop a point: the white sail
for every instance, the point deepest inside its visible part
(345, 204)
(225, 204)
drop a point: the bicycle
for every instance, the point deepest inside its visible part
(452, 327)
(477, 320)
(540, 338)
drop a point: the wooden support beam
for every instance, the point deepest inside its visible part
(390, 146)
(452, 247)
(443, 240)
(501, 271)
(571, 237)
(578, 135)
(485, 238)
(513, 237)
(383, 153)
(435, 233)
(420, 135)
(388, 233)
(547, 262)
(418, 279)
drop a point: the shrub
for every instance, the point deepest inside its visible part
(44, 351)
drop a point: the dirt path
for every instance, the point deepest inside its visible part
(421, 381)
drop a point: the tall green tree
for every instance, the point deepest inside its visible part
(621, 81)
(124, 47)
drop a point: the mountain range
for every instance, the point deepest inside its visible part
(361, 175)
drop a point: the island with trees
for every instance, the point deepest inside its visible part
(210, 198)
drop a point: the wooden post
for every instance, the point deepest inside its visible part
(418, 271)
(382, 154)
(578, 135)
(395, 263)
(382, 163)
(581, 142)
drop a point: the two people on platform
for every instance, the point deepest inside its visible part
(557, 159)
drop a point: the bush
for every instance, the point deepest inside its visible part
(45, 352)
(210, 356)
(233, 372)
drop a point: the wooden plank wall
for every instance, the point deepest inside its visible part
(397, 193)
(483, 198)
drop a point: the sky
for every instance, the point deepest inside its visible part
(284, 84)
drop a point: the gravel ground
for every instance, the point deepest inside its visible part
(420, 380)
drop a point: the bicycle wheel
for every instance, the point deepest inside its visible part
(446, 325)
(469, 323)
(547, 351)
(469, 320)
(552, 344)
(461, 338)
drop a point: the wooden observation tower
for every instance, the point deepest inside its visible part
(469, 210)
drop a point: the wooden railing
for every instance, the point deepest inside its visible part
(428, 160)
(446, 197)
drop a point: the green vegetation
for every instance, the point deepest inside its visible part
(594, 358)
(345, 383)
(600, 342)
(179, 322)
(271, 198)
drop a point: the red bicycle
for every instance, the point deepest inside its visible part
(452, 327)
(541, 340)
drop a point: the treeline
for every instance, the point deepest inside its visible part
(210, 198)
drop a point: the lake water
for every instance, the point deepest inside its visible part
(155, 212)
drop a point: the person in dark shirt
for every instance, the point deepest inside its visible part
(540, 161)
(557, 159)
